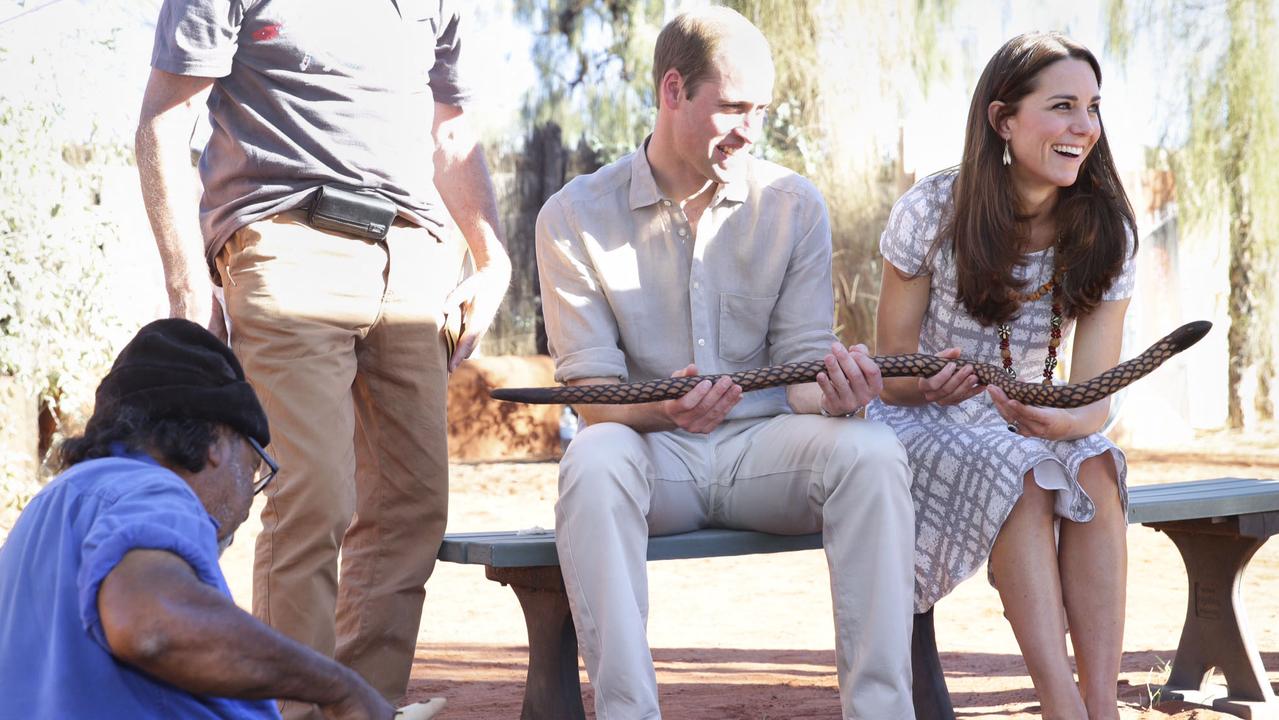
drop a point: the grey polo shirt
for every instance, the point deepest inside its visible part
(309, 92)
(631, 290)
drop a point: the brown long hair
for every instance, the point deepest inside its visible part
(1093, 216)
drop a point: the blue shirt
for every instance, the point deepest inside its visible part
(54, 656)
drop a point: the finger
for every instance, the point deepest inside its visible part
(835, 373)
(727, 402)
(465, 346)
(849, 382)
(969, 392)
(935, 383)
(1000, 399)
(714, 395)
(691, 399)
(870, 374)
(951, 353)
(688, 371)
(961, 383)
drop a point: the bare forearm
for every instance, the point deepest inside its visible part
(170, 191)
(158, 617)
(464, 184)
(804, 399)
(462, 177)
(212, 647)
(902, 391)
(645, 417)
(1086, 420)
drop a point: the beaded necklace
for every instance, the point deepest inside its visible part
(1054, 339)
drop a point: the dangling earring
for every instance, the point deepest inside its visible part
(1008, 156)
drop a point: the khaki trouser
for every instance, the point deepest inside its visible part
(848, 479)
(340, 338)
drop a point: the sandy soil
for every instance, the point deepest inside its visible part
(751, 637)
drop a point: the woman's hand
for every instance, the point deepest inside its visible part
(1032, 421)
(953, 385)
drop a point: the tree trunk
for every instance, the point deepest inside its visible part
(524, 182)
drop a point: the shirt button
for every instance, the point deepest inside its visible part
(696, 285)
(667, 203)
(683, 232)
(701, 341)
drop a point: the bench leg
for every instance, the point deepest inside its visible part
(1216, 633)
(552, 690)
(932, 699)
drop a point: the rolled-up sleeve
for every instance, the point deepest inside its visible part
(800, 327)
(165, 518)
(580, 327)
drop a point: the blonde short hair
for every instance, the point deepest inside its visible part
(690, 42)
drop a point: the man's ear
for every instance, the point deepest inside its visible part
(221, 450)
(997, 119)
(672, 88)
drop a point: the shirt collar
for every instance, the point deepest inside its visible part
(118, 449)
(644, 190)
(643, 186)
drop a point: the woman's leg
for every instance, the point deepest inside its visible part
(1094, 568)
(1024, 561)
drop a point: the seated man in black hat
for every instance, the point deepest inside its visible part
(112, 604)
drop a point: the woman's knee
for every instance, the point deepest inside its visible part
(1099, 478)
(1034, 496)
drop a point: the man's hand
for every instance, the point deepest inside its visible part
(952, 385)
(476, 300)
(361, 702)
(202, 308)
(851, 380)
(703, 408)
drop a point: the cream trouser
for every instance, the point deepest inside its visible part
(791, 474)
(340, 339)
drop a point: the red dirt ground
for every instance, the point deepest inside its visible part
(751, 637)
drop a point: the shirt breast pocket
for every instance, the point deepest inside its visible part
(743, 325)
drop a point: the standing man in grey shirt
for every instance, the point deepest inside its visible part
(689, 255)
(336, 313)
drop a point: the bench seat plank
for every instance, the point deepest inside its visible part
(533, 550)
(1216, 524)
(1199, 499)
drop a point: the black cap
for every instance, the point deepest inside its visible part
(174, 368)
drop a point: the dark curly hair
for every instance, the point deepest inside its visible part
(181, 442)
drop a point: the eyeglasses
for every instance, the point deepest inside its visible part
(264, 478)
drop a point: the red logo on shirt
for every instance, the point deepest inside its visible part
(266, 32)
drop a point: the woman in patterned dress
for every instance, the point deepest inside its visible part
(1031, 236)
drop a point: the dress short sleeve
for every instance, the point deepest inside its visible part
(1123, 285)
(914, 223)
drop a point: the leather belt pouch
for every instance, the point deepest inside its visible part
(364, 214)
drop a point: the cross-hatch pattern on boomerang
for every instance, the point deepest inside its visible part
(910, 365)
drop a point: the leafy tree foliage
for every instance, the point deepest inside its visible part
(835, 114)
(1226, 54)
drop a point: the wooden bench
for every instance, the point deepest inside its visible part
(1218, 525)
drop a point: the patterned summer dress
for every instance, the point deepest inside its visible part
(968, 466)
